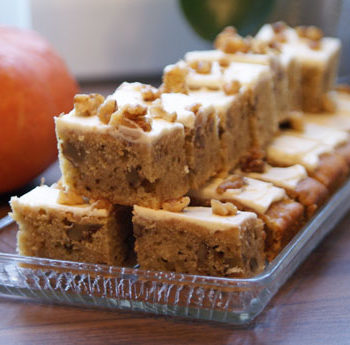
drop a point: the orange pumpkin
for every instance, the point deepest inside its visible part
(35, 85)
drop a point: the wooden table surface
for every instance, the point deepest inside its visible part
(313, 307)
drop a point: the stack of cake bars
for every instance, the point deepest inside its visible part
(212, 173)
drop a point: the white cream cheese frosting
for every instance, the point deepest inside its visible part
(159, 128)
(299, 46)
(180, 103)
(212, 80)
(324, 135)
(289, 150)
(202, 216)
(288, 177)
(44, 197)
(255, 194)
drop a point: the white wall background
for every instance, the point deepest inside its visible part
(115, 38)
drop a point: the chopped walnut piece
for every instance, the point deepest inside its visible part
(174, 78)
(202, 67)
(232, 87)
(280, 37)
(149, 93)
(343, 88)
(224, 62)
(69, 198)
(229, 41)
(157, 111)
(132, 116)
(106, 109)
(194, 108)
(223, 209)
(274, 45)
(278, 27)
(233, 182)
(253, 162)
(311, 32)
(315, 45)
(258, 46)
(176, 205)
(87, 105)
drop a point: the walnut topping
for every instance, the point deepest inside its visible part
(253, 162)
(69, 198)
(106, 109)
(279, 27)
(174, 78)
(229, 41)
(313, 33)
(194, 108)
(224, 62)
(274, 45)
(233, 182)
(132, 116)
(176, 205)
(149, 93)
(157, 111)
(315, 45)
(280, 37)
(202, 67)
(87, 105)
(223, 209)
(232, 87)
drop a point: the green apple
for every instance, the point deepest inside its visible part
(209, 17)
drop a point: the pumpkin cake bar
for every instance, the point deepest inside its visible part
(317, 55)
(233, 48)
(59, 225)
(298, 185)
(319, 159)
(231, 106)
(202, 141)
(113, 149)
(216, 241)
(256, 79)
(282, 217)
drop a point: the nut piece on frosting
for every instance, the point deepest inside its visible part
(279, 27)
(158, 112)
(223, 209)
(106, 109)
(232, 87)
(229, 41)
(174, 78)
(253, 161)
(176, 205)
(87, 105)
(233, 182)
(132, 116)
(194, 108)
(201, 67)
(311, 32)
(149, 93)
(69, 198)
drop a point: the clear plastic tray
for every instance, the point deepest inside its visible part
(236, 301)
